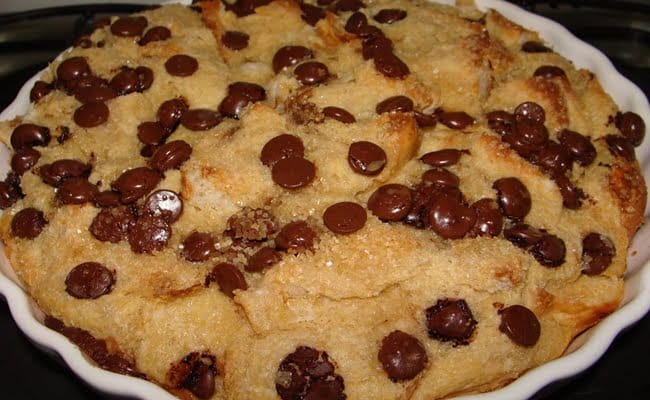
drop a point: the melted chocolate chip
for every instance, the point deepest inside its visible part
(620, 147)
(572, 196)
(355, 22)
(450, 321)
(196, 372)
(489, 220)
(228, 277)
(107, 198)
(76, 191)
(181, 65)
(523, 235)
(530, 110)
(311, 73)
(198, 246)
(450, 218)
(242, 8)
(526, 137)
(308, 374)
(389, 65)
(281, 146)
(534, 47)
(395, 104)
(345, 217)
(456, 119)
(24, 159)
(165, 204)
(549, 72)
(440, 177)
(200, 119)
(631, 126)
(500, 121)
(112, 224)
(293, 172)
(366, 158)
(149, 234)
(129, 26)
(90, 115)
(579, 146)
(348, 5)
(290, 55)
(389, 15)
(598, 251)
(72, 68)
(89, 280)
(553, 158)
(155, 34)
(425, 120)
(391, 202)
(520, 325)
(152, 132)
(513, 197)
(296, 236)
(402, 356)
(170, 155)
(339, 114)
(170, 113)
(240, 94)
(95, 94)
(130, 80)
(28, 223)
(549, 251)
(40, 90)
(235, 40)
(55, 173)
(442, 158)
(30, 135)
(10, 192)
(262, 259)
(311, 14)
(135, 183)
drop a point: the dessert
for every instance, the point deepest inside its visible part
(344, 200)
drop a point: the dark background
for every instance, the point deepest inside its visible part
(28, 40)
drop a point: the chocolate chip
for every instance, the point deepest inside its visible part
(24, 159)
(290, 55)
(455, 119)
(296, 236)
(311, 14)
(152, 132)
(28, 223)
(129, 26)
(55, 173)
(90, 115)
(631, 126)
(10, 193)
(181, 65)
(553, 158)
(149, 234)
(598, 251)
(308, 374)
(40, 90)
(402, 356)
(366, 158)
(395, 104)
(135, 183)
(440, 177)
(30, 135)
(500, 121)
(198, 246)
(201, 382)
(425, 120)
(389, 15)
(95, 94)
(345, 217)
(523, 235)
(112, 224)
(107, 198)
(228, 277)
(526, 137)
(348, 5)
(572, 196)
(262, 259)
(76, 191)
(442, 158)
(620, 147)
(450, 321)
(130, 80)
(549, 72)
(89, 280)
(200, 119)
(390, 202)
(530, 110)
(489, 220)
(579, 146)
(339, 114)
(549, 251)
(165, 204)
(235, 40)
(242, 8)
(376, 45)
(281, 146)
(240, 94)
(170, 155)
(155, 34)
(520, 325)
(196, 372)
(311, 73)
(170, 113)
(73, 68)
(513, 197)
(534, 47)
(389, 65)
(450, 218)
(355, 22)
(293, 172)
(64, 134)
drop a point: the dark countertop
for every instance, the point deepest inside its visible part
(28, 373)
